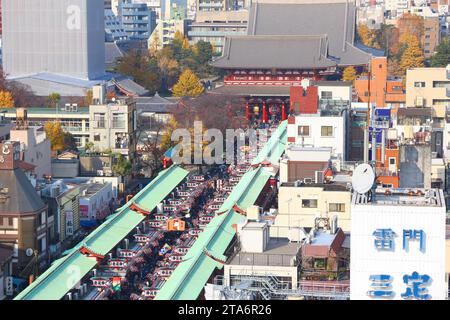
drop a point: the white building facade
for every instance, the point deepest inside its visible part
(398, 246)
(311, 130)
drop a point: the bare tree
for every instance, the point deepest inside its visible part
(149, 134)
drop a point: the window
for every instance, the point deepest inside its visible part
(419, 84)
(303, 131)
(441, 84)
(336, 207)
(326, 131)
(309, 203)
(320, 263)
(118, 121)
(99, 120)
(97, 137)
(327, 95)
(42, 218)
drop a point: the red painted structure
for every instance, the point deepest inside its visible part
(304, 101)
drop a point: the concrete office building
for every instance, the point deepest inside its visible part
(214, 26)
(64, 37)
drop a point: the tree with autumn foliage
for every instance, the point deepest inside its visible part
(368, 36)
(55, 134)
(188, 85)
(6, 99)
(349, 74)
(166, 139)
(411, 25)
(412, 56)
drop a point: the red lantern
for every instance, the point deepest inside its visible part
(265, 117)
(283, 112)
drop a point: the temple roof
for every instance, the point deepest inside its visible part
(335, 22)
(281, 52)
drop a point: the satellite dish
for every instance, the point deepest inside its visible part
(29, 252)
(363, 178)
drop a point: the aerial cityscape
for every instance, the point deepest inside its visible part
(247, 150)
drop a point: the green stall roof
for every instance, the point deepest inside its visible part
(274, 147)
(64, 273)
(190, 277)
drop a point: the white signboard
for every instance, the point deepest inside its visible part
(69, 223)
(397, 252)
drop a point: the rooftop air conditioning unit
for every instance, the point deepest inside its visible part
(100, 173)
(307, 181)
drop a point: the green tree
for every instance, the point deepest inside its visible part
(69, 141)
(188, 85)
(53, 99)
(203, 51)
(122, 166)
(442, 56)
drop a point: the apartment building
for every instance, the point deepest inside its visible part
(63, 202)
(429, 87)
(138, 21)
(35, 148)
(300, 204)
(114, 127)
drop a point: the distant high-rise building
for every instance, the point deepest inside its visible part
(64, 37)
(138, 20)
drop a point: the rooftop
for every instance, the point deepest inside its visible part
(326, 30)
(14, 185)
(417, 197)
(279, 252)
(326, 186)
(93, 188)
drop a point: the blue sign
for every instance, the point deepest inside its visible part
(416, 286)
(416, 283)
(384, 239)
(381, 286)
(416, 235)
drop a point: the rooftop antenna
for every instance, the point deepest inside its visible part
(363, 178)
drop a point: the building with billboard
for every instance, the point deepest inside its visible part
(398, 245)
(64, 37)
